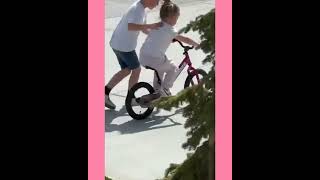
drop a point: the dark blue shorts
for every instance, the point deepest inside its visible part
(127, 59)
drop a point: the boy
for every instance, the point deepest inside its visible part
(124, 42)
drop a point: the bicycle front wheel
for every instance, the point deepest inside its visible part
(192, 78)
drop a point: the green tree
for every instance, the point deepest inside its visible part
(199, 110)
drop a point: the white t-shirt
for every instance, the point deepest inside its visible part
(158, 41)
(122, 39)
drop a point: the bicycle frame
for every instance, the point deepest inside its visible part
(186, 61)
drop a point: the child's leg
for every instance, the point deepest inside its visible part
(130, 59)
(155, 63)
(171, 70)
(116, 79)
(124, 72)
(156, 85)
(134, 77)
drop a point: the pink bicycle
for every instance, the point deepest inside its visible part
(143, 93)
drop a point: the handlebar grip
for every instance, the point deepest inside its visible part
(185, 47)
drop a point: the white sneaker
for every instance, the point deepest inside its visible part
(146, 101)
(108, 103)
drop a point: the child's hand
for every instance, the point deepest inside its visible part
(197, 46)
(155, 25)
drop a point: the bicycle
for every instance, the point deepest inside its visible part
(144, 100)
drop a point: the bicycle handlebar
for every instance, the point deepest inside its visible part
(186, 48)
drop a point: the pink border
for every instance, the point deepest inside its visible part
(223, 89)
(96, 90)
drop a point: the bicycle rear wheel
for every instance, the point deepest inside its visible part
(138, 90)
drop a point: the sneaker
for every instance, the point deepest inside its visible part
(146, 101)
(108, 103)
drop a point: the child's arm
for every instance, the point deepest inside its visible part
(143, 27)
(187, 40)
(146, 31)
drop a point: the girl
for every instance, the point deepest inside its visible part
(152, 52)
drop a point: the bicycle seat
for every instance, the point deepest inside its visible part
(148, 67)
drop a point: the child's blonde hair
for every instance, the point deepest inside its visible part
(168, 9)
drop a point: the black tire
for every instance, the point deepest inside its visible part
(191, 75)
(131, 95)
